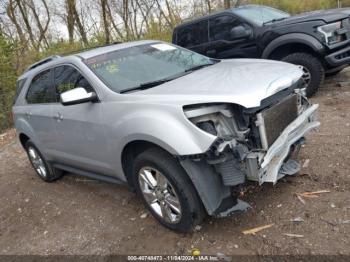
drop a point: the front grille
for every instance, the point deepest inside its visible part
(279, 116)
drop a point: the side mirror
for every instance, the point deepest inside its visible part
(77, 95)
(239, 32)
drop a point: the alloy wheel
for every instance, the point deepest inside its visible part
(160, 194)
(37, 162)
(306, 76)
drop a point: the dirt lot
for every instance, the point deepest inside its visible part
(81, 216)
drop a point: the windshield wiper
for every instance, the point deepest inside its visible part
(146, 85)
(198, 67)
(274, 20)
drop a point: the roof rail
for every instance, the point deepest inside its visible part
(89, 48)
(43, 61)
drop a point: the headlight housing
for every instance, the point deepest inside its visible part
(330, 33)
(224, 121)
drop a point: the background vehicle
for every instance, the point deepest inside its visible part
(318, 41)
(178, 127)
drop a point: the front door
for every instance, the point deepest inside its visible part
(230, 38)
(194, 36)
(79, 140)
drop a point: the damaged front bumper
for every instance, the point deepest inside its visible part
(268, 167)
(258, 149)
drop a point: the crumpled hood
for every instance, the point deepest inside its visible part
(241, 81)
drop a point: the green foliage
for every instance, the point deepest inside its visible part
(155, 31)
(7, 82)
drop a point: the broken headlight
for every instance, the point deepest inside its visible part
(210, 118)
(207, 126)
(222, 120)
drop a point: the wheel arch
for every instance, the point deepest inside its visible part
(205, 181)
(23, 139)
(295, 42)
(25, 132)
(130, 151)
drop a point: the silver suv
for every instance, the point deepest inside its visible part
(182, 130)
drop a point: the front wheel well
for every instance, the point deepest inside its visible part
(23, 138)
(287, 49)
(130, 152)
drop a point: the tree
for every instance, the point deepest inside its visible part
(70, 19)
(10, 10)
(227, 4)
(80, 25)
(41, 26)
(105, 20)
(7, 81)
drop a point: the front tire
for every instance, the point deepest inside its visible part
(167, 191)
(314, 72)
(43, 168)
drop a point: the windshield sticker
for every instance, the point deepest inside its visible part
(163, 47)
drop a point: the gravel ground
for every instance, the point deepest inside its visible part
(80, 216)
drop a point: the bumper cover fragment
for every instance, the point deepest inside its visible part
(269, 168)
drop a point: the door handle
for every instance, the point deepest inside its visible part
(58, 117)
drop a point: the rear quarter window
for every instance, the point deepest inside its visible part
(19, 88)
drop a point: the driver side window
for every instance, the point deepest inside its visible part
(220, 27)
(67, 78)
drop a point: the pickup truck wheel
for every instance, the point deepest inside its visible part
(43, 169)
(167, 191)
(313, 71)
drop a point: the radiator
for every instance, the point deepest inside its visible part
(278, 117)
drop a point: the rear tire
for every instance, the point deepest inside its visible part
(185, 210)
(43, 168)
(312, 66)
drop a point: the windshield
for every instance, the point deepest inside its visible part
(260, 15)
(136, 66)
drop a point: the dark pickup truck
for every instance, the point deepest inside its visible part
(319, 41)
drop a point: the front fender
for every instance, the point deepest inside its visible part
(173, 132)
(299, 38)
(162, 125)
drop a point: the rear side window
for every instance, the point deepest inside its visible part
(220, 27)
(192, 35)
(41, 89)
(19, 87)
(67, 78)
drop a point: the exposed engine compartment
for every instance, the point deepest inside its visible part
(256, 144)
(244, 135)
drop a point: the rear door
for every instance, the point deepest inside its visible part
(223, 41)
(37, 111)
(80, 138)
(194, 36)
